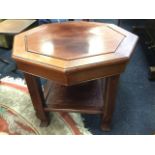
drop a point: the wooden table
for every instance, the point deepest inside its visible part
(82, 62)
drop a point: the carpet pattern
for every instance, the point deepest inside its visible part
(13, 124)
(16, 110)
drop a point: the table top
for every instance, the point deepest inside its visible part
(71, 41)
(12, 26)
(70, 47)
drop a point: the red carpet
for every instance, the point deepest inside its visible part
(17, 116)
(13, 124)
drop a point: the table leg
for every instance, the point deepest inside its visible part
(109, 101)
(37, 97)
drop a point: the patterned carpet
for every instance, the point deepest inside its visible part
(17, 116)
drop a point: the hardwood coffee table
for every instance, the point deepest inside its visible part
(82, 62)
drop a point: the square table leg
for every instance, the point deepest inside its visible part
(37, 97)
(109, 101)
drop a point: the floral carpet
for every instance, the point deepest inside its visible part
(17, 116)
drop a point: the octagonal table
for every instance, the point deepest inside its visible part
(82, 62)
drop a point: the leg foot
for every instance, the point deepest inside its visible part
(105, 127)
(37, 97)
(109, 101)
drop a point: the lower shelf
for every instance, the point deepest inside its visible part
(83, 98)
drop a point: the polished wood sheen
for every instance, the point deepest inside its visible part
(97, 46)
(71, 41)
(75, 57)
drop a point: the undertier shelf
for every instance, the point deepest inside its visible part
(84, 98)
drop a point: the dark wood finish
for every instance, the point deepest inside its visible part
(109, 101)
(37, 98)
(71, 54)
(95, 73)
(85, 98)
(72, 41)
(61, 69)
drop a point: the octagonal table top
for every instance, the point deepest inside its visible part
(73, 46)
(73, 41)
